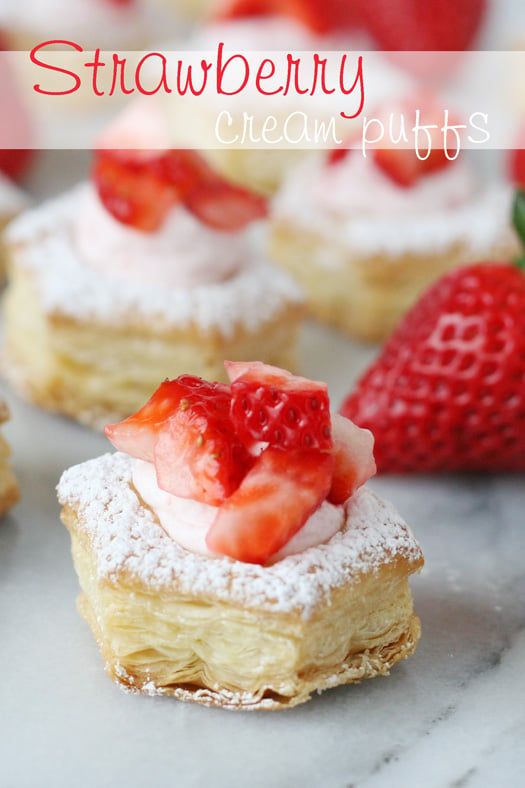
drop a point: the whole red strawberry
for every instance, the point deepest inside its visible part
(415, 25)
(448, 391)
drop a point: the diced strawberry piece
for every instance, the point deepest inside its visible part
(185, 429)
(185, 170)
(226, 207)
(354, 459)
(198, 455)
(137, 434)
(272, 503)
(15, 163)
(273, 407)
(402, 165)
(140, 187)
(131, 189)
(337, 155)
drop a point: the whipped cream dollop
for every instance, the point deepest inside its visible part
(182, 253)
(187, 521)
(358, 205)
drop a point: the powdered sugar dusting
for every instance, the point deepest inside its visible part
(126, 537)
(45, 244)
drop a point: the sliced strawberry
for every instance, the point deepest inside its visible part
(354, 459)
(337, 155)
(225, 207)
(15, 163)
(137, 434)
(132, 190)
(197, 454)
(185, 429)
(139, 188)
(185, 170)
(402, 165)
(273, 407)
(272, 503)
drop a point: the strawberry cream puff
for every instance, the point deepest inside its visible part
(364, 236)
(229, 553)
(148, 270)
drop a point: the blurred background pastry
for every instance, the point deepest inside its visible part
(364, 236)
(125, 280)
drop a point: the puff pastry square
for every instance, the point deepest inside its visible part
(230, 634)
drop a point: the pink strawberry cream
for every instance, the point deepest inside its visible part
(183, 252)
(256, 470)
(188, 522)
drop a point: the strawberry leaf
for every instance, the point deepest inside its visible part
(518, 215)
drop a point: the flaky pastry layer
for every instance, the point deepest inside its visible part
(364, 296)
(97, 373)
(220, 632)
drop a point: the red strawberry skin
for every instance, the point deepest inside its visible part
(132, 190)
(272, 503)
(139, 188)
(403, 167)
(272, 406)
(198, 455)
(448, 391)
(138, 434)
(416, 25)
(185, 429)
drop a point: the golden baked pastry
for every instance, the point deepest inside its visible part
(365, 296)
(232, 634)
(9, 492)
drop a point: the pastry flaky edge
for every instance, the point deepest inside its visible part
(224, 633)
(365, 296)
(9, 490)
(95, 373)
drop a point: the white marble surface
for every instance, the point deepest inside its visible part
(453, 715)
